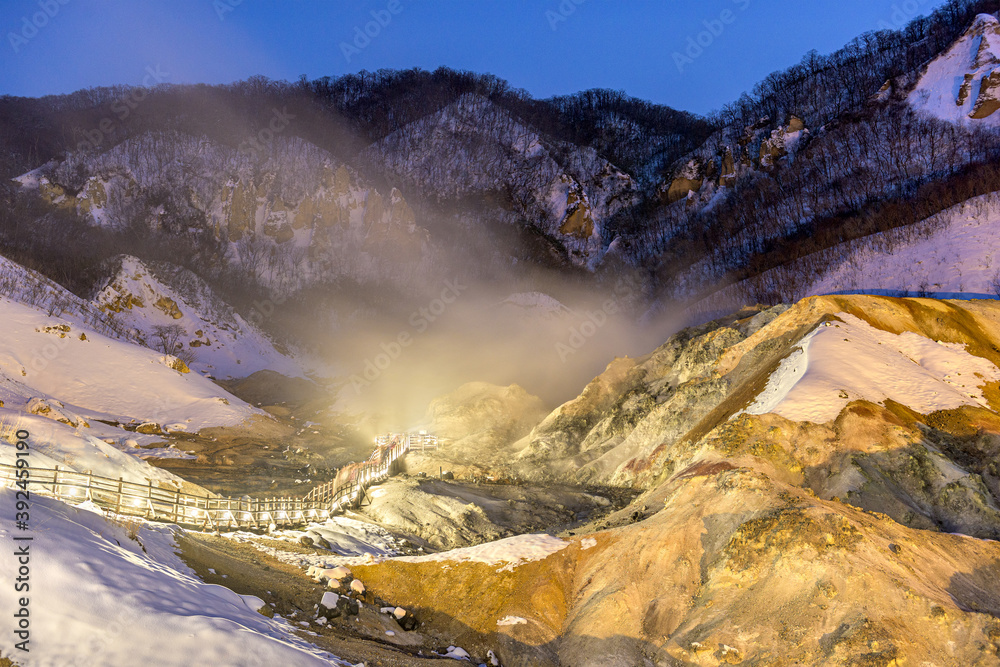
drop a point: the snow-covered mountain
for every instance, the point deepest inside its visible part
(963, 83)
(291, 217)
(212, 337)
(474, 148)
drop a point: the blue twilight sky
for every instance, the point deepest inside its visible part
(548, 47)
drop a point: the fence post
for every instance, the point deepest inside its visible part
(118, 503)
(177, 503)
(55, 481)
(208, 514)
(149, 499)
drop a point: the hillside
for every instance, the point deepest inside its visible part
(372, 184)
(97, 403)
(705, 391)
(831, 500)
(172, 307)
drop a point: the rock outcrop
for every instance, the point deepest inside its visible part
(688, 179)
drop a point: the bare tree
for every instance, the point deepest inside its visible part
(995, 283)
(167, 338)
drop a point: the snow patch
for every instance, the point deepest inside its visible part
(98, 598)
(839, 362)
(510, 552)
(511, 620)
(950, 86)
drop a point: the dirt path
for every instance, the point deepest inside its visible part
(290, 593)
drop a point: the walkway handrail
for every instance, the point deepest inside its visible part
(155, 502)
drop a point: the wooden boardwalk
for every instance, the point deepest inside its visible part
(164, 501)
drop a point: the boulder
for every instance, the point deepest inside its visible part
(53, 409)
(407, 621)
(149, 428)
(333, 606)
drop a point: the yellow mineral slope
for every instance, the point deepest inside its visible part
(864, 539)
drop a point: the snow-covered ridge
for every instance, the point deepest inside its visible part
(215, 339)
(963, 83)
(136, 299)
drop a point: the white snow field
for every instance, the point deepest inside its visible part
(951, 255)
(508, 552)
(850, 360)
(95, 598)
(54, 444)
(59, 377)
(347, 537)
(103, 378)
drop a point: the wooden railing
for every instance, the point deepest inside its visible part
(155, 501)
(350, 482)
